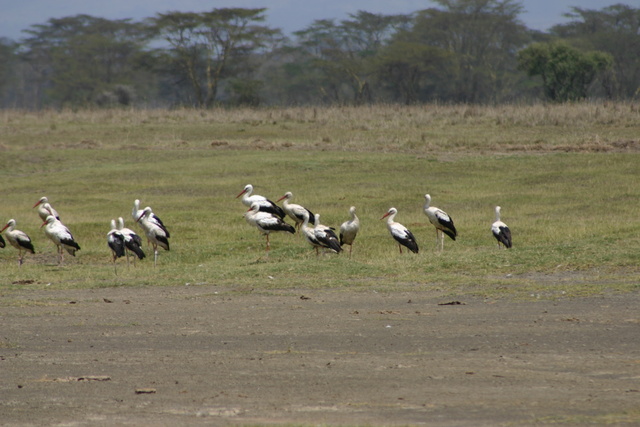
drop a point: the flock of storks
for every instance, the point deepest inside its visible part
(267, 216)
(263, 214)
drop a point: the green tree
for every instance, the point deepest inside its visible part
(209, 47)
(615, 30)
(566, 72)
(80, 59)
(7, 66)
(483, 37)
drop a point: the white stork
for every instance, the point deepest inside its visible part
(326, 236)
(132, 241)
(294, 211)
(156, 232)
(18, 239)
(265, 205)
(399, 232)
(266, 222)
(115, 241)
(500, 231)
(441, 221)
(61, 236)
(312, 237)
(155, 219)
(349, 229)
(45, 209)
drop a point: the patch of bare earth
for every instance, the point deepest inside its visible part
(212, 355)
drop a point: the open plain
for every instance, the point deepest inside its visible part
(222, 333)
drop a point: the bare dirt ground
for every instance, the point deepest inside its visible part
(207, 355)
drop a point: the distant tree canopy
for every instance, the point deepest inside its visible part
(469, 51)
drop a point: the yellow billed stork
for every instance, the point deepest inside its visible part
(18, 239)
(500, 231)
(61, 236)
(399, 232)
(349, 229)
(156, 232)
(294, 211)
(264, 204)
(441, 221)
(266, 222)
(45, 209)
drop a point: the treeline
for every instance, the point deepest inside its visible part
(463, 51)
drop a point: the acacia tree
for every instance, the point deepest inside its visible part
(483, 37)
(566, 72)
(78, 59)
(207, 47)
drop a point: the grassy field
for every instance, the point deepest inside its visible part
(566, 176)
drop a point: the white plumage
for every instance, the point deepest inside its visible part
(326, 236)
(156, 232)
(399, 232)
(500, 231)
(61, 236)
(264, 204)
(266, 222)
(132, 241)
(18, 239)
(349, 229)
(45, 209)
(294, 211)
(441, 221)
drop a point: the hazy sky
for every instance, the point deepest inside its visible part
(289, 15)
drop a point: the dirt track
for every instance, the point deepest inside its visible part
(209, 355)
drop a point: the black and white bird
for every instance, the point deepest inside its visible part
(349, 229)
(132, 241)
(45, 209)
(264, 204)
(153, 218)
(115, 241)
(326, 236)
(310, 235)
(61, 236)
(441, 221)
(18, 239)
(399, 232)
(294, 211)
(500, 231)
(2, 242)
(156, 232)
(266, 222)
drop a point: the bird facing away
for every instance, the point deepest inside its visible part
(310, 235)
(18, 239)
(45, 209)
(61, 236)
(115, 241)
(349, 229)
(132, 241)
(294, 211)
(500, 231)
(266, 222)
(156, 232)
(441, 221)
(265, 205)
(400, 233)
(326, 236)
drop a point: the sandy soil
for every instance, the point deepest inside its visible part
(197, 355)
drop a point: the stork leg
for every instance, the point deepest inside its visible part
(350, 248)
(400, 247)
(20, 257)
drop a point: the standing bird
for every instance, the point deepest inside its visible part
(309, 234)
(266, 222)
(265, 205)
(441, 221)
(349, 229)
(132, 241)
(326, 236)
(18, 239)
(45, 209)
(2, 242)
(156, 233)
(61, 236)
(500, 231)
(137, 212)
(403, 236)
(295, 212)
(115, 241)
